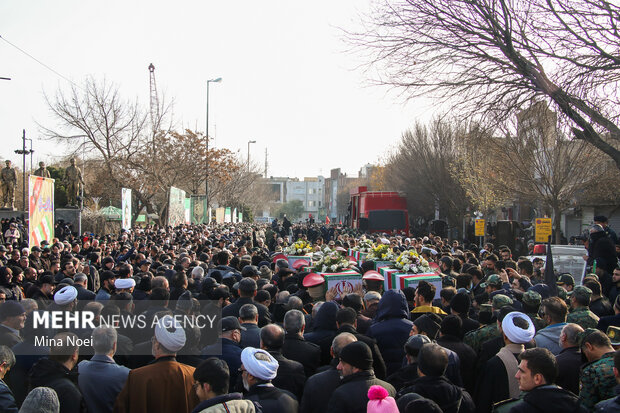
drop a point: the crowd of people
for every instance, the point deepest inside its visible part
(500, 335)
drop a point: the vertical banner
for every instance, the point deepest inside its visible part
(227, 215)
(240, 216)
(234, 216)
(187, 210)
(219, 215)
(126, 209)
(40, 210)
(198, 208)
(176, 207)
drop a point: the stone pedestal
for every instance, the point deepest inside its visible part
(72, 216)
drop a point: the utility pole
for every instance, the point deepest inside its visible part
(23, 152)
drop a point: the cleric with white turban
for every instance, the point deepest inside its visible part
(516, 333)
(169, 333)
(124, 283)
(66, 295)
(259, 363)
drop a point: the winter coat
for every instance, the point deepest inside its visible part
(290, 376)
(264, 317)
(305, 352)
(467, 357)
(162, 386)
(569, 366)
(319, 389)
(378, 365)
(391, 329)
(226, 403)
(324, 330)
(50, 373)
(549, 399)
(272, 399)
(352, 395)
(549, 338)
(603, 251)
(7, 401)
(451, 398)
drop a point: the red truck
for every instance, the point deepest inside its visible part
(378, 211)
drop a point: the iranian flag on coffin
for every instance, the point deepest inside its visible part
(344, 281)
(412, 280)
(354, 254)
(389, 281)
(307, 269)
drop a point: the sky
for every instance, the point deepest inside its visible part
(288, 79)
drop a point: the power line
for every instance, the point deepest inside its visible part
(40, 62)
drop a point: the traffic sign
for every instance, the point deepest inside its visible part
(479, 228)
(544, 229)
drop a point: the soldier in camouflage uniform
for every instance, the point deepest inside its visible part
(597, 380)
(476, 338)
(531, 304)
(580, 312)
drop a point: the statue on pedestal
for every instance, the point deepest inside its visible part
(42, 171)
(8, 181)
(73, 180)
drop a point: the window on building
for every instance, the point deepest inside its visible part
(311, 203)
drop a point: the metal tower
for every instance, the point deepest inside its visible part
(154, 100)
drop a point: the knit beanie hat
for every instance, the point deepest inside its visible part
(461, 303)
(428, 323)
(380, 401)
(41, 400)
(357, 354)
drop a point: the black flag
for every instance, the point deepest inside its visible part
(550, 278)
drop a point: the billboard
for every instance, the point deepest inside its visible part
(40, 210)
(176, 207)
(126, 209)
(198, 208)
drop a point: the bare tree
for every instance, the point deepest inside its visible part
(420, 167)
(492, 57)
(540, 165)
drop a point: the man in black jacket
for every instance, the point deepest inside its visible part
(258, 368)
(433, 384)
(247, 291)
(55, 372)
(537, 373)
(12, 319)
(291, 374)
(7, 400)
(450, 338)
(295, 347)
(320, 387)
(346, 321)
(570, 358)
(356, 368)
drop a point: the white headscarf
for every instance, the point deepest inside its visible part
(516, 334)
(261, 369)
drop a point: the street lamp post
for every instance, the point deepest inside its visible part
(249, 142)
(217, 80)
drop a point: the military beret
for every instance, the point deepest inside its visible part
(501, 300)
(582, 291)
(532, 298)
